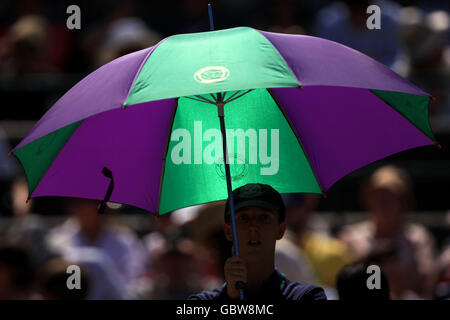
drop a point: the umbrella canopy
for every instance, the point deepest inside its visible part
(301, 113)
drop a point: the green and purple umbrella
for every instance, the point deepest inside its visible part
(309, 112)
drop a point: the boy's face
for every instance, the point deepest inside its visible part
(258, 230)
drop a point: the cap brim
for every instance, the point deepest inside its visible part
(255, 203)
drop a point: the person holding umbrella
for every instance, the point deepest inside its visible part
(260, 222)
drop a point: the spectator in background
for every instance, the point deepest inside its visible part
(25, 51)
(442, 286)
(284, 17)
(288, 256)
(163, 228)
(388, 196)
(213, 248)
(8, 166)
(189, 232)
(324, 254)
(352, 283)
(25, 227)
(120, 33)
(430, 5)
(86, 228)
(58, 42)
(52, 282)
(425, 38)
(16, 272)
(175, 272)
(105, 282)
(124, 36)
(345, 22)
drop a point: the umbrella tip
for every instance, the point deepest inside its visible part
(438, 145)
(211, 19)
(10, 154)
(433, 98)
(324, 195)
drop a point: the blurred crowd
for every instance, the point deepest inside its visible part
(181, 256)
(34, 39)
(184, 252)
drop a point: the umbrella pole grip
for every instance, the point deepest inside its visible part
(221, 114)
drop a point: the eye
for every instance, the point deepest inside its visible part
(264, 218)
(243, 217)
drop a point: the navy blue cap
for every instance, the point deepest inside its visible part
(257, 195)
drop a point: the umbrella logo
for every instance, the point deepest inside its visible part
(211, 74)
(238, 169)
(251, 192)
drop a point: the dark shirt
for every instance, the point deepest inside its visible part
(276, 288)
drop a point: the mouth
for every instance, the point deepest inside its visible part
(254, 243)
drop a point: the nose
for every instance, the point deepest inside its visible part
(253, 223)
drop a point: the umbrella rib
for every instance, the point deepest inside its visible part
(194, 99)
(166, 148)
(233, 95)
(206, 100)
(201, 100)
(230, 99)
(214, 98)
(280, 107)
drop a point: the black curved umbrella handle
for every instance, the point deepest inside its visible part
(108, 174)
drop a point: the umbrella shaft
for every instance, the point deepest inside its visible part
(228, 177)
(221, 114)
(227, 172)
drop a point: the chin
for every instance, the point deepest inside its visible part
(253, 255)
